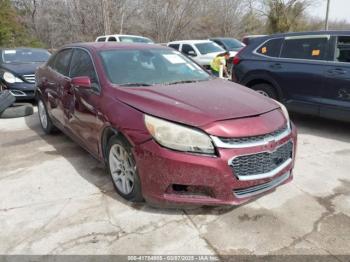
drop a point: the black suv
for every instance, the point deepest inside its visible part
(309, 71)
(17, 70)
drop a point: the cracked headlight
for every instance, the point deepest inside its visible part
(178, 137)
(10, 78)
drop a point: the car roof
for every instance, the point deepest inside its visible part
(97, 46)
(117, 35)
(221, 38)
(253, 36)
(189, 42)
(22, 48)
(329, 32)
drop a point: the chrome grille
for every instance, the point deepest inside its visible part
(29, 78)
(253, 139)
(262, 163)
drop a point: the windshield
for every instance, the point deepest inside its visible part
(149, 67)
(25, 55)
(132, 39)
(232, 44)
(206, 48)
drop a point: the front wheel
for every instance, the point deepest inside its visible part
(45, 120)
(265, 90)
(123, 170)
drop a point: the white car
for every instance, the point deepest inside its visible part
(124, 39)
(201, 51)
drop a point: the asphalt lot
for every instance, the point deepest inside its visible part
(56, 199)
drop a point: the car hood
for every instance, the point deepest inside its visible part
(21, 68)
(197, 104)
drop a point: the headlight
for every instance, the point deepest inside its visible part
(178, 137)
(10, 78)
(285, 112)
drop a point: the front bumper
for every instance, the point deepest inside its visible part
(22, 91)
(209, 180)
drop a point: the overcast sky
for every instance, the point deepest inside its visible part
(339, 9)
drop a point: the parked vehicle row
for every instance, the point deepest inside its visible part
(17, 70)
(204, 51)
(168, 131)
(309, 72)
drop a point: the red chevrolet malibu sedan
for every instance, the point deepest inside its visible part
(167, 130)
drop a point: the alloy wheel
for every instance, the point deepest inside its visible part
(263, 93)
(123, 169)
(42, 114)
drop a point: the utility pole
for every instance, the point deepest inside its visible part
(106, 18)
(327, 14)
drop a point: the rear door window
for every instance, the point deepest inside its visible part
(313, 48)
(112, 39)
(342, 50)
(62, 61)
(271, 48)
(101, 39)
(175, 46)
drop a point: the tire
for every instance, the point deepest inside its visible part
(6, 100)
(17, 110)
(123, 170)
(265, 90)
(45, 120)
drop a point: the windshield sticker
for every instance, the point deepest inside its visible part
(316, 52)
(8, 52)
(174, 59)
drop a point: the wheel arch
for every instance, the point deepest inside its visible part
(107, 133)
(263, 78)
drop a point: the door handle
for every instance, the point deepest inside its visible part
(337, 71)
(276, 66)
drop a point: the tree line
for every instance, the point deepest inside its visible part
(53, 23)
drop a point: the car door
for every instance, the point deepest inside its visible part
(336, 92)
(300, 71)
(84, 118)
(57, 83)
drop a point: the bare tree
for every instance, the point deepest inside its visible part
(57, 22)
(169, 19)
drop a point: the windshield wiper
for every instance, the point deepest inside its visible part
(135, 84)
(183, 82)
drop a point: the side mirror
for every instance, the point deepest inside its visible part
(192, 53)
(82, 82)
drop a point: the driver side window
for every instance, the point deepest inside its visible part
(82, 65)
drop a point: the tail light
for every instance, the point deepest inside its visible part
(237, 59)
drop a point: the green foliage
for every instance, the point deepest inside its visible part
(285, 16)
(12, 32)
